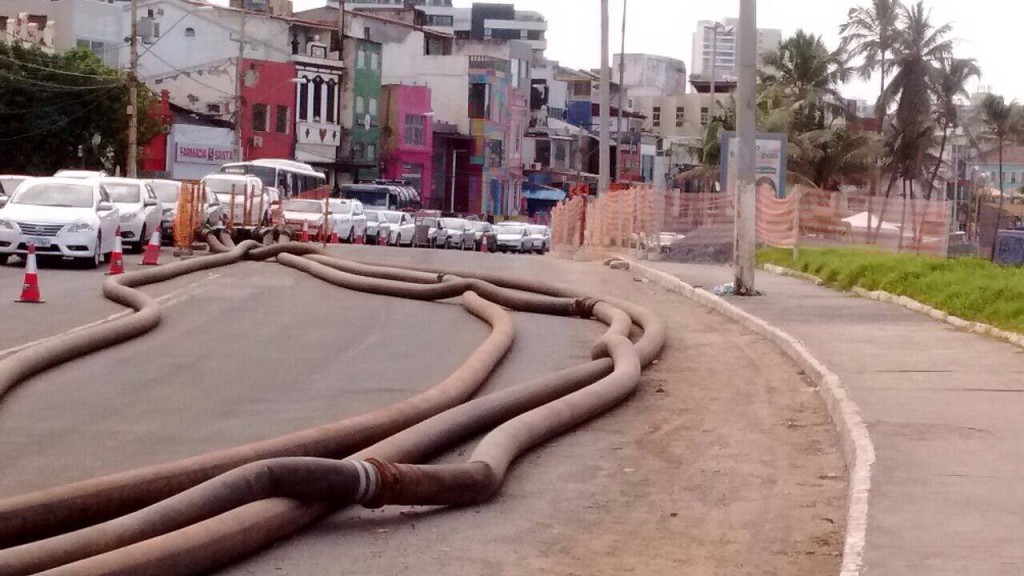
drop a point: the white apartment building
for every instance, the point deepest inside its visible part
(91, 24)
(716, 42)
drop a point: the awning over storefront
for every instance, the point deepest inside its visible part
(540, 192)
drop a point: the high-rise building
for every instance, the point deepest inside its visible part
(716, 42)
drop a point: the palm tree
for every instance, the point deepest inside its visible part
(870, 33)
(950, 83)
(804, 76)
(831, 157)
(1002, 121)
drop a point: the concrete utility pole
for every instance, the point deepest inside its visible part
(237, 153)
(605, 157)
(133, 95)
(746, 148)
(622, 81)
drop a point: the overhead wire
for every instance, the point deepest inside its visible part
(60, 124)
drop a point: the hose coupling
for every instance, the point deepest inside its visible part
(584, 307)
(384, 480)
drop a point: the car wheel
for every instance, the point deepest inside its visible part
(351, 236)
(3, 258)
(93, 262)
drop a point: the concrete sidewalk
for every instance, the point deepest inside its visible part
(945, 411)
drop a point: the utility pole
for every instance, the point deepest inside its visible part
(133, 95)
(746, 192)
(237, 153)
(605, 141)
(622, 81)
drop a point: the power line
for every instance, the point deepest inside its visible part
(62, 87)
(40, 108)
(189, 76)
(57, 125)
(53, 70)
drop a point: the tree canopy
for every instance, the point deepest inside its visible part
(53, 106)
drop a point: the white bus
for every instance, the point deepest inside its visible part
(288, 177)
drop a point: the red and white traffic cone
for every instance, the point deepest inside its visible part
(30, 288)
(334, 237)
(117, 256)
(152, 255)
(304, 236)
(382, 240)
(484, 247)
(361, 239)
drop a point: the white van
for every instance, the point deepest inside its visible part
(252, 202)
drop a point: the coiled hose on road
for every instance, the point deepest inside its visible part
(193, 515)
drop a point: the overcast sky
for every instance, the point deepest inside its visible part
(987, 30)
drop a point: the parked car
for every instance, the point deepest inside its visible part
(309, 213)
(168, 192)
(513, 238)
(244, 189)
(483, 230)
(540, 238)
(348, 219)
(454, 233)
(82, 174)
(63, 217)
(390, 221)
(139, 208)
(373, 222)
(403, 232)
(10, 182)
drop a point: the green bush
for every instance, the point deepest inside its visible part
(970, 288)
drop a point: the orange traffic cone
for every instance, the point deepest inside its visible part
(117, 257)
(304, 236)
(30, 289)
(152, 255)
(484, 248)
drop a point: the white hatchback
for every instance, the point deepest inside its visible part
(349, 219)
(139, 207)
(63, 217)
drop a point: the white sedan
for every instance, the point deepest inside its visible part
(540, 238)
(63, 217)
(308, 213)
(402, 233)
(454, 233)
(348, 219)
(513, 238)
(139, 207)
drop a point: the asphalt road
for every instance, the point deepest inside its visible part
(687, 474)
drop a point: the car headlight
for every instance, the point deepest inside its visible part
(81, 227)
(5, 225)
(128, 217)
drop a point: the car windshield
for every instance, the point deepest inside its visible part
(126, 193)
(341, 207)
(225, 185)
(516, 230)
(478, 226)
(392, 217)
(451, 223)
(307, 206)
(536, 229)
(55, 194)
(166, 191)
(9, 185)
(372, 217)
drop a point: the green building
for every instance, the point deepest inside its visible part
(360, 155)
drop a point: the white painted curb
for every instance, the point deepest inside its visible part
(914, 306)
(858, 450)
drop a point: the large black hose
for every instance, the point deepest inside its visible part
(245, 527)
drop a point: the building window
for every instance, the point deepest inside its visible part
(332, 97)
(705, 116)
(581, 89)
(259, 117)
(374, 61)
(190, 32)
(656, 116)
(372, 110)
(360, 105)
(680, 116)
(360, 59)
(304, 100)
(357, 151)
(318, 98)
(480, 101)
(371, 152)
(439, 20)
(213, 108)
(415, 130)
(281, 125)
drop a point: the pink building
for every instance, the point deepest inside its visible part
(408, 137)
